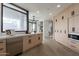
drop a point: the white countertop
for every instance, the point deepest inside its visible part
(16, 35)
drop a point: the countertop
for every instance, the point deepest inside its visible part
(16, 35)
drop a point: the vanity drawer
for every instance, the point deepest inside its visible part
(40, 36)
(2, 48)
(2, 44)
(14, 48)
(12, 40)
(27, 43)
(31, 41)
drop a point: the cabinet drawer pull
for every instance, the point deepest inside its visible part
(1, 48)
(38, 38)
(29, 41)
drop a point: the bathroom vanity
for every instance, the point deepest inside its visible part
(15, 44)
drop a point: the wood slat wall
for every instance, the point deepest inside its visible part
(64, 26)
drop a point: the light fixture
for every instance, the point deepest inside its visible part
(58, 6)
(37, 12)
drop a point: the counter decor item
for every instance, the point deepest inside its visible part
(10, 32)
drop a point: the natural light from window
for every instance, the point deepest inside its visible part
(14, 20)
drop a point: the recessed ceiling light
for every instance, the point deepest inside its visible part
(37, 12)
(50, 14)
(58, 6)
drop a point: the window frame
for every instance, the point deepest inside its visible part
(32, 22)
(27, 16)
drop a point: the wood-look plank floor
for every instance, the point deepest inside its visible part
(50, 47)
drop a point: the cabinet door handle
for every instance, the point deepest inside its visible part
(1, 48)
(38, 38)
(29, 40)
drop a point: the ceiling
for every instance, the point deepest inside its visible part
(41, 11)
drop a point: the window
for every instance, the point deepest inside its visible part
(14, 18)
(33, 26)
